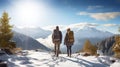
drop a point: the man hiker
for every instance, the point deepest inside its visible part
(57, 39)
(69, 41)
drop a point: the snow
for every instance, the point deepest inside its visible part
(34, 58)
(99, 52)
(116, 64)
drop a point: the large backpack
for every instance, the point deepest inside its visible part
(56, 35)
(71, 37)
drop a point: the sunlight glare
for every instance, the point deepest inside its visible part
(30, 12)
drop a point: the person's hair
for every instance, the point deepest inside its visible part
(57, 27)
(68, 29)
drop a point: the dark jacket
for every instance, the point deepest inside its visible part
(66, 40)
(53, 38)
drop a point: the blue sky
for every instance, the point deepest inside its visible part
(62, 12)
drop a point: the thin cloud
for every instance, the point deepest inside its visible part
(101, 16)
(110, 25)
(94, 7)
(76, 25)
(84, 24)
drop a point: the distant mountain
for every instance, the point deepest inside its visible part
(81, 34)
(106, 45)
(27, 43)
(91, 32)
(33, 32)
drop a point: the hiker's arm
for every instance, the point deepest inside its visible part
(60, 36)
(53, 37)
(73, 38)
(65, 39)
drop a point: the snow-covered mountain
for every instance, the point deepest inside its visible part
(91, 32)
(35, 32)
(27, 43)
(81, 34)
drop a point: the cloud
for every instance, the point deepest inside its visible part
(76, 25)
(101, 16)
(83, 24)
(94, 7)
(110, 25)
(52, 27)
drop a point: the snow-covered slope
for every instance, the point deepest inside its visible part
(81, 34)
(33, 32)
(27, 43)
(45, 59)
(116, 64)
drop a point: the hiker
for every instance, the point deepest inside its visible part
(57, 39)
(69, 41)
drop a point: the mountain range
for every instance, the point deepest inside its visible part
(80, 34)
(33, 32)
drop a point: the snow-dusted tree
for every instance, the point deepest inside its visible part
(6, 33)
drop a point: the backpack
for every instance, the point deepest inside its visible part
(71, 36)
(56, 35)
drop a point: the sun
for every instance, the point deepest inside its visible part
(30, 12)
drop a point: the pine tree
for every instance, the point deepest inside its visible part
(6, 33)
(89, 48)
(86, 46)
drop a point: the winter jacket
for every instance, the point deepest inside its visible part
(66, 40)
(53, 38)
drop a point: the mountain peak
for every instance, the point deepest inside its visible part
(88, 28)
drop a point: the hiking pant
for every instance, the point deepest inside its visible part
(57, 49)
(69, 50)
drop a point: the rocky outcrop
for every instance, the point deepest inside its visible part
(106, 45)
